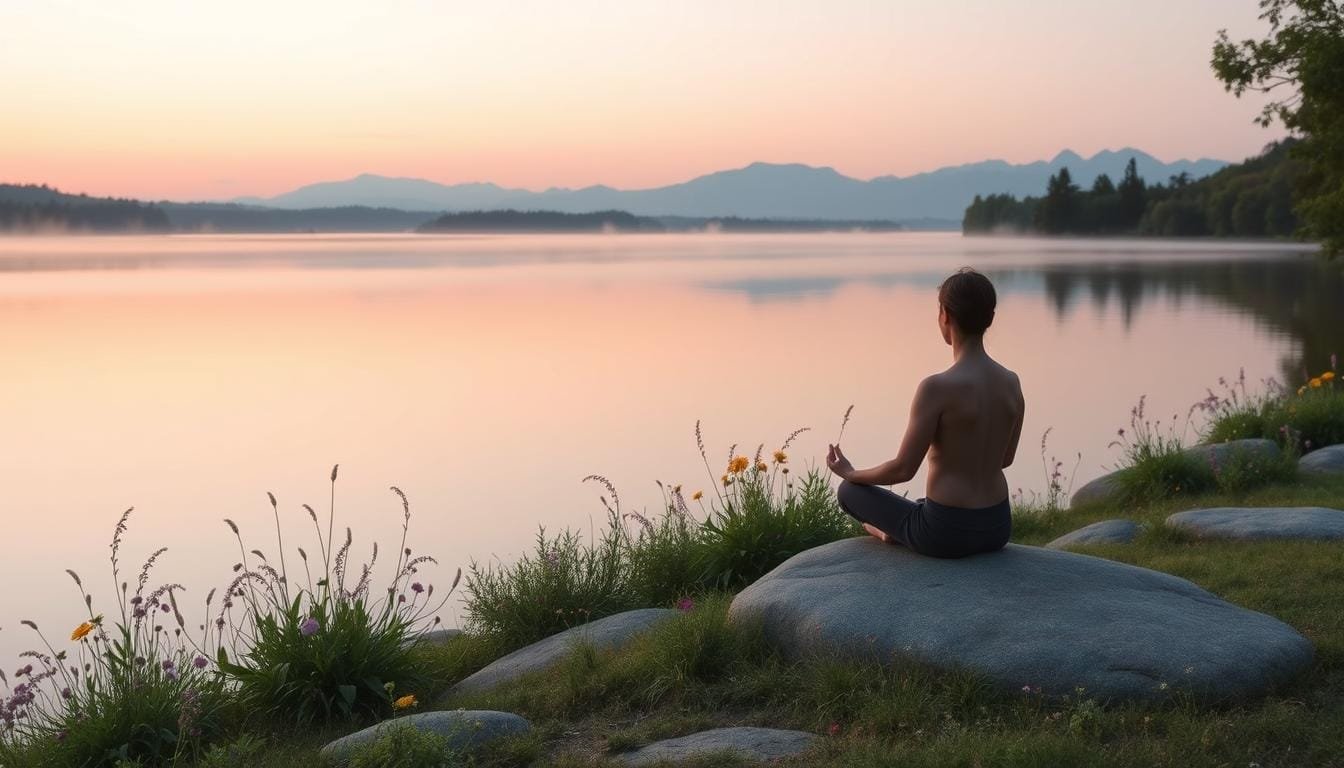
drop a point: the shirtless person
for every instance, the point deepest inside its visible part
(968, 420)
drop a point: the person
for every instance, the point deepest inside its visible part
(968, 419)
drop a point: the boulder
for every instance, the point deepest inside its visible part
(1103, 532)
(604, 634)
(463, 729)
(1023, 616)
(435, 637)
(759, 744)
(1215, 454)
(1262, 522)
(1323, 461)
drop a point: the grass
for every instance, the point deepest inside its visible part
(700, 671)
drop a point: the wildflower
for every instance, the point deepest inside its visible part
(738, 464)
(1315, 383)
(727, 481)
(1328, 376)
(1301, 390)
(761, 466)
(834, 730)
(685, 604)
(199, 662)
(406, 702)
(308, 627)
(81, 631)
(417, 588)
(781, 457)
(697, 495)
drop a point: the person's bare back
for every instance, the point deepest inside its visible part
(979, 409)
(968, 421)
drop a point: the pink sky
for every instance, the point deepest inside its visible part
(209, 100)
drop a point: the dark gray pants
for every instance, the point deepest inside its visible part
(925, 526)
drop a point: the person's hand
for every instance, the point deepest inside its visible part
(837, 463)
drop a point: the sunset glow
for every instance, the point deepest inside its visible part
(214, 100)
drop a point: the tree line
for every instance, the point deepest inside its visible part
(33, 208)
(1249, 199)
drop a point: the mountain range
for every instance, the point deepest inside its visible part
(759, 190)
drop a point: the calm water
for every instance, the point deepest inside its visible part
(188, 376)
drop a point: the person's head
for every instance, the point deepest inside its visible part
(965, 304)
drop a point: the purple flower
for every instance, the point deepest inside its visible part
(685, 604)
(199, 662)
(417, 588)
(401, 599)
(168, 664)
(308, 627)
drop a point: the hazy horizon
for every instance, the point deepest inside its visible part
(211, 101)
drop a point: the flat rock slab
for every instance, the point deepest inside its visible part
(1103, 532)
(762, 744)
(464, 730)
(1323, 461)
(1262, 522)
(1215, 454)
(604, 634)
(1024, 616)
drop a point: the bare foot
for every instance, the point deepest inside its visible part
(876, 533)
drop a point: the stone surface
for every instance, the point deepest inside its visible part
(1103, 532)
(1323, 461)
(463, 729)
(1262, 522)
(1024, 616)
(761, 744)
(603, 634)
(1106, 486)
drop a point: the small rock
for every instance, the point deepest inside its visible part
(1024, 616)
(1104, 532)
(463, 729)
(603, 634)
(761, 744)
(1262, 522)
(1100, 489)
(1323, 461)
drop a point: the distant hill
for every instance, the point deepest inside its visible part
(511, 220)
(33, 208)
(760, 190)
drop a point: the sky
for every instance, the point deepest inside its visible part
(204, 100)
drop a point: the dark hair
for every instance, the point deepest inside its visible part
(968, 298)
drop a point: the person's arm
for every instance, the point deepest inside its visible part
(919, 433)
(1011, 453)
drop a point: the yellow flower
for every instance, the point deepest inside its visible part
(1300, 390)
(781, 457)
(727, 480)
(406, 702)
(81, 631)
(761, 466)
(1315, 383)
(696, 496)
(738, 464)
(1328, 376)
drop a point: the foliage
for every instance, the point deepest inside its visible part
(1249, 199)
(1300, 421)
(139, 690)
(1303, 55)
(329, 650)
(33, 208)
(758, 517)
(245, 750)
(404, 747)
(1154, 463)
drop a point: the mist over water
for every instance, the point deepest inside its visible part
(188, 376)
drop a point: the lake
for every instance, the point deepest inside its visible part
(486, 375)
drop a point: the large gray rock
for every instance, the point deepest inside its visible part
(1262, 522)
(761, 744)
(1102, 532)
(1107, 486)
(604, 634)
(1024, 616)
(463, 729)
(1323, 461)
